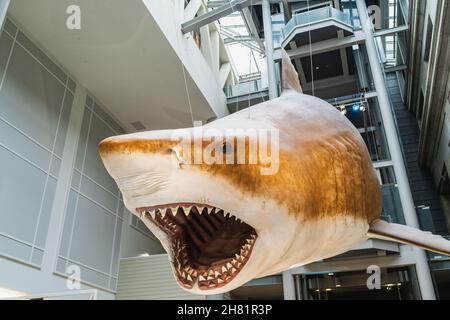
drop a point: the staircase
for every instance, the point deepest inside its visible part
(422, 185)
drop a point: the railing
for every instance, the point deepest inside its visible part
(250, 76)
(314, 16)
(244, 88)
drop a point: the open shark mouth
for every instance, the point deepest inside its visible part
(209, 247)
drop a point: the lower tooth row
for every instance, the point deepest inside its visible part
(229, 268)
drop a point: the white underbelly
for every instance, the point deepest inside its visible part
(324, 239)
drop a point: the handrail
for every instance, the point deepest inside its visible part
(314, 16)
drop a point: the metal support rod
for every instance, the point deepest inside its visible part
(268, 36)
(422, 267)
(215, 14)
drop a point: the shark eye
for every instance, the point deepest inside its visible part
(226, 148)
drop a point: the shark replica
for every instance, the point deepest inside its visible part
(224, 223)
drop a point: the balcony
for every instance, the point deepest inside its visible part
(245, 94)
(321, 24)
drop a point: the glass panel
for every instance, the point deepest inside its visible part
(396, 284)
(392, 206)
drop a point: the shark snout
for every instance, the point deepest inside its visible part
(134, 154)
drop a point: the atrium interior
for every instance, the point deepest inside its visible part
(150, 65)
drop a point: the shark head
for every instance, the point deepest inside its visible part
(251, 194)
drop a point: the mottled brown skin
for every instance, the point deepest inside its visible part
(325, 169)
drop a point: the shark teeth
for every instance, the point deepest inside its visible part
(177, 220)
(163, 211)
(187, 210)
(151, 213)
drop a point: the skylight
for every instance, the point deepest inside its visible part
(244, 51)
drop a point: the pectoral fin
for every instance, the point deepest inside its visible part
(380, 229)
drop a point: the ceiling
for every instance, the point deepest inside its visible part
(120, 55)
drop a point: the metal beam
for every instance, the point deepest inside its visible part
(328, 45)
(215, 14)
(192, 8)
(234, 37)
(251, 27)
(392, 31)
(248, 44)
(383, 164)
(239, 39)
(396, 68)
(370, 95)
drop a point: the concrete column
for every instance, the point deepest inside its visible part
(56, 223)
(268, 36)
(288, 286)
(422, 267)
(4, 4)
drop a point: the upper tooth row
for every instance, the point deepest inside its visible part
(186, 210)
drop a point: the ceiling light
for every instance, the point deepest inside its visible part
(144, 255)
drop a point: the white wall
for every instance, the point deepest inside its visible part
(59, 206)
(135, 242)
